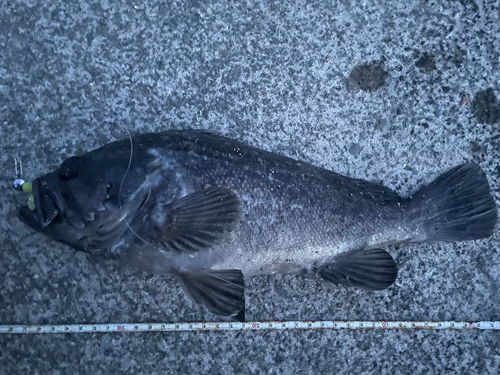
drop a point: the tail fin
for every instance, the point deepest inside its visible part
(457, 206)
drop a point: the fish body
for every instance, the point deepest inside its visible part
(213, 211)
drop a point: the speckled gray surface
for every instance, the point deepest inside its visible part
(282, 76)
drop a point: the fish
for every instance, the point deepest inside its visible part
(213, 211)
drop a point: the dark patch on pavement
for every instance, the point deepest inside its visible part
(367, 77)
(485, 107)
(425, 62)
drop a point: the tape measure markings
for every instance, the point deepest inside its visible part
(236, 326)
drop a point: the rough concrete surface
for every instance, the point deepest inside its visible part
(397, 92)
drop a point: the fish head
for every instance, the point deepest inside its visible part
(89, 201)
(69, 201)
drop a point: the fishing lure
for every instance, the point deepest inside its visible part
(24, 186)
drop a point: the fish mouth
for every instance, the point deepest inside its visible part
(48, 206)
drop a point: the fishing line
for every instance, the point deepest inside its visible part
(253, 326)
(121, 186)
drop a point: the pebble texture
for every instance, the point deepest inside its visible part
(397, 92)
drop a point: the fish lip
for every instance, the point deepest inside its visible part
(27, 217)
(48, 203)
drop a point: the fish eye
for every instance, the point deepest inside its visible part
(69, 169)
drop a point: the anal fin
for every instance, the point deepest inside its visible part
(368, 269)
(222, 292)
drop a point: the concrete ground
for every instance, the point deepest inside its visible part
(397, 92)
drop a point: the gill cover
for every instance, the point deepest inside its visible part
(87, 202)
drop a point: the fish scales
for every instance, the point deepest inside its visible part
(292, 215)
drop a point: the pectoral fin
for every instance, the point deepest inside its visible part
(368, 269)
(199, 220)
(222, 291)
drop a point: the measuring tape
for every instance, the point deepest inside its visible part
(235, 326)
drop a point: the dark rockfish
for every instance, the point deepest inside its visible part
(212, 210)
